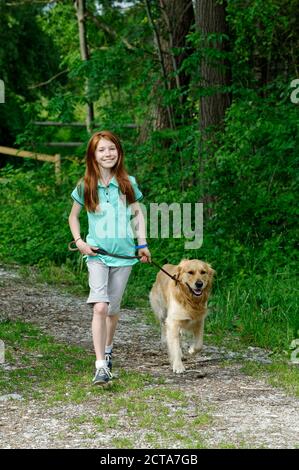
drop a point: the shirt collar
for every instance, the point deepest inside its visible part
(113, 182)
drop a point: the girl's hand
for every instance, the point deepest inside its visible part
(145, 255)
(84, 248)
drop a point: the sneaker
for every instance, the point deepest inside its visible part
(108, 359)
(102, 376)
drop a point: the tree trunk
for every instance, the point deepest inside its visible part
(214, 73)
(170, 31)
(80, 10)
(178, 17)
(210, 17)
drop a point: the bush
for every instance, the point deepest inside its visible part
(34, 214)
(253, 179)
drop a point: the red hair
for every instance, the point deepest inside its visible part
(93, 172)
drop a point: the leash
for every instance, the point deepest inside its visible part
(160, 267)
(101, 251)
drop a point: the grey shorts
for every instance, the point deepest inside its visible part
(107, 284)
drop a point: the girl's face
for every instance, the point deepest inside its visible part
(106, 153)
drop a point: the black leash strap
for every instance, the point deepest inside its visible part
(101, 251)
(158, 266)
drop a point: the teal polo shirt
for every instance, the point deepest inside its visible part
(110, 228)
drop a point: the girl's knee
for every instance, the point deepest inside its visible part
(100, 308)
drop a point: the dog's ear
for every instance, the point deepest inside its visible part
(178, 273)
(180, 269)
(211, 272)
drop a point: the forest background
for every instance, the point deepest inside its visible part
(204, 96)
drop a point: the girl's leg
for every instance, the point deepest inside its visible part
(111, 323)
(98, 282)
(118, 279)
(99, 329)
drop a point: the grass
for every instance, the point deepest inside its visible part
(258, 310)
(39, 363)
(278, 374)
(71, 277)
(134, 404)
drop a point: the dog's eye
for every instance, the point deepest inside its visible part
(190, 272)
(203, 272)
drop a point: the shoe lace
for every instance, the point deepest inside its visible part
(108, 356)
(105, 371)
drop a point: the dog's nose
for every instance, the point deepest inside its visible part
(199, 284)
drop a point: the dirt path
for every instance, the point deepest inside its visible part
(246, 412)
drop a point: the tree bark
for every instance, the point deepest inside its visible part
(214, 73)
(80, 6)
(170, 30)
(178, 17)
(163, 115)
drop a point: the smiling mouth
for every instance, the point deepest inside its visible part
(196, 292)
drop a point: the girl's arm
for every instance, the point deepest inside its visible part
(140, 230)
(74, 224)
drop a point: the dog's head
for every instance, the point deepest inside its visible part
(196, 275)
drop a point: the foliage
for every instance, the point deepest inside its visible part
(23, 64)
(253, 177)
(265, 42)
(245, 173)
(34, 214)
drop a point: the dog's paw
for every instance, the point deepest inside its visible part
(178, 368)
(194, 349)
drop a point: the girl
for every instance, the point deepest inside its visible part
(110, 197)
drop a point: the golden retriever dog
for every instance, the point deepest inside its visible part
(181, 304)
